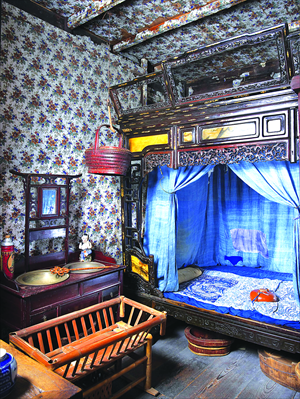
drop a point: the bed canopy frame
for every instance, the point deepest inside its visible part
(234, 101)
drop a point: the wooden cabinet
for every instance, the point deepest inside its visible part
(26, 306)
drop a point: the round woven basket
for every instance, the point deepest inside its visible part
(107, 160)
(207, 343)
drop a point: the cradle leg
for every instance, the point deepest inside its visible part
(148, 380)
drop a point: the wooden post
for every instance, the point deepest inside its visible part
(295, 85)
(148, 367)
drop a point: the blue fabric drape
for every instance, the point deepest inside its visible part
(161, 216)
(240, 227)
(196, 223)
(279, 182)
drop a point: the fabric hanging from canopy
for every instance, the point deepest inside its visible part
(160, 226)
(279, 182)
(196, 224)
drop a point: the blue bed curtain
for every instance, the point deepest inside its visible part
(202, 222)
(162, 213)
(279, 182)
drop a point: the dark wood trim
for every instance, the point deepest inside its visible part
(41, 12)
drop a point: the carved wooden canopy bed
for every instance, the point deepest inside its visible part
(223, 117)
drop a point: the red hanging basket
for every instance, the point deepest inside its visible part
(107, 160)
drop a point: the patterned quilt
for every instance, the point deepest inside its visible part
(227, 292)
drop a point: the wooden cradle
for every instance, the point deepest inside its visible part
(180, 130)
(92, 340)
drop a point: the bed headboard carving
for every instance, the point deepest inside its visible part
(277, 151)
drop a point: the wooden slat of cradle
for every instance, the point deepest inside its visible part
(111, 351)
(139, 317)
(117, 348)
(67, 332)
(127, 342)
(84, 363)
(99, 321)
(105, 318)
(120, 346)
(108, 354)
(65, 370)
(92, 322)
(30, 340)
(136, 339)
(75, 329)
(83, 325)
(111, 315)
(130, 316)
(75, 367)
(102, 355)
(49, 340)
(41, 342)
(144, 334)
(58, 336)
(80, 368)
(94, 358)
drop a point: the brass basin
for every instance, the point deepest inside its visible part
(40, 277)
(84, 265)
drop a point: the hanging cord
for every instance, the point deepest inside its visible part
(109, 115)
(108, 80)
(167, 192)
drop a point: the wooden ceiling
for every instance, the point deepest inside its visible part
(157, 30)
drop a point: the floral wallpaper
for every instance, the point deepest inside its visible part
(54, 90)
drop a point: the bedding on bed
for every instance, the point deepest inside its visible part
(227, 290)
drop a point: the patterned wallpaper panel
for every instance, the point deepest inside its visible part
(54, 96)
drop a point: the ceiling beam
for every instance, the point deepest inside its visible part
(95, 38)
(210, 8)
(54, 19)
(93, 10)
(41, 12)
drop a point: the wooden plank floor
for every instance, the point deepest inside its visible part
(177, 373)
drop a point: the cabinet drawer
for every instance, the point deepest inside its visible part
(43, 316)
(78, 304)
(54, 296)
(99, 283)
(109, 293)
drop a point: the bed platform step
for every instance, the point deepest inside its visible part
(281, 367)
(207, 343)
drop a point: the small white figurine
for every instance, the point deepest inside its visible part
(86, 249)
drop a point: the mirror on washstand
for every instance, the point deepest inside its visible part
(46, 218)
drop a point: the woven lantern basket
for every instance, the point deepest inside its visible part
(108, 160)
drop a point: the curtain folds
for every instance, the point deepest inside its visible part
(199, 223)
(279, 182)
(161, 215)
